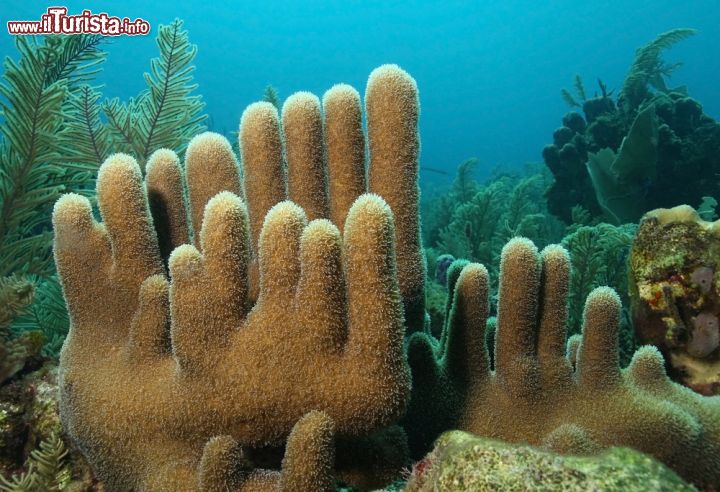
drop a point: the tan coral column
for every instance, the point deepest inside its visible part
(392, 106)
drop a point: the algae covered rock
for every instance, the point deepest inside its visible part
(462, 461)
(675, 293)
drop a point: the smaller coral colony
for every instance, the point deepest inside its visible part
(269, 314)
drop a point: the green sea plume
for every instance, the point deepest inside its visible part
(47, 469)
(649, 69)
(166, 114)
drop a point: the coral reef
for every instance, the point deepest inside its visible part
(325, 332)
(535, 394)
(224, 337)
(675, 294)
(32, 454)
(15, 295)
(461, 461)
(624, 159)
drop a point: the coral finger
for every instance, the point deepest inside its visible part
(125, 211)
(164, 183)
(210, 167)
(80, 241)
(598, 361)
(261, 151)
(452, 275)
(517, 312)
(391, 101)
(647, 371)
(466, 358)
(192, 328)
(225, 244)
(303, 132)
(572, 348)
(279, 252)
(375, 317)
(310, 455)
(321, 292)
(149, 329)
(553, 312)
(345, 145)
(223, 465)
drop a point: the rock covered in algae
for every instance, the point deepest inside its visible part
(462, 461)
(675, 293)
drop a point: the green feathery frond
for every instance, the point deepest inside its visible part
(464, 185)
(47, 470)
(79, 60)
(23, 482)
(51, 470)
(30, 164)
(580, 87)
(598, 257)
(47, 314)
(648, 68)
(579, 90)
(88, 142)
(569, 99)
(271, 95)
(580, 216)
(164, 115)
(33, 168)
(120, 122)
(16, 293)
(519, 204)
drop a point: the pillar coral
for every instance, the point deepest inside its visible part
(535, 394)
(179, 357)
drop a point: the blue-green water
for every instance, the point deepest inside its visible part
(489, 72)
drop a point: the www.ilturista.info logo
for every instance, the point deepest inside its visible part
(56, 21)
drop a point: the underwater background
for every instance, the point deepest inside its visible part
(550, 309)
(489, 72)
